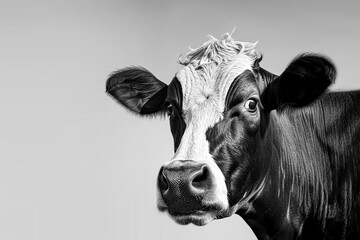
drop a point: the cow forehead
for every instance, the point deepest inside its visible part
(205, 79)
(210, 81)
(204, 91)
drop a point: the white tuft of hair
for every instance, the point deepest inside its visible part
(219, 50)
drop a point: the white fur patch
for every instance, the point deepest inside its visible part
(204, 96)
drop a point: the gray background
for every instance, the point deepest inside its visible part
(74, 164)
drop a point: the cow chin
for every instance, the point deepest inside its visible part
(199, 218)
(204, 215)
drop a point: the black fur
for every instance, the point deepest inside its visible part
(318, 147)
(177, 123)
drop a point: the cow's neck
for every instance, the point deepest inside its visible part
(271, 212)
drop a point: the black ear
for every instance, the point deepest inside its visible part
(303, 81)
(138, 90)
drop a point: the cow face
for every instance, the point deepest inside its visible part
(218, 105)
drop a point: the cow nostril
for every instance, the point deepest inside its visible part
(202, 179)
(202, 175)
(162, 181)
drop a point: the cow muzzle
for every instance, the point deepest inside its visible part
(189, 191)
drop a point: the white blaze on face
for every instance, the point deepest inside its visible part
(204, 92)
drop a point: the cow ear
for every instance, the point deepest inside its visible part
(303, 81)
(138, 90)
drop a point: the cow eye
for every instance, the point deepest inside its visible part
(251, 105)
(169, 110)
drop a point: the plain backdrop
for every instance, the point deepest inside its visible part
(76, 165)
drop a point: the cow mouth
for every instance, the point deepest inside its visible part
(199, 217)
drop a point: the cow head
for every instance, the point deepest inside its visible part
(218, 105)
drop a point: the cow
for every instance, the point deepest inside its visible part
(281, 151)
